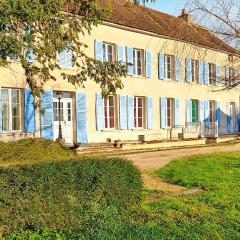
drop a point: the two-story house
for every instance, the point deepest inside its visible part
(176, 83)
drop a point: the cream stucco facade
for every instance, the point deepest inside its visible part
(134, 86)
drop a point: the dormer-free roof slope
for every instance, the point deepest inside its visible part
(142, 18)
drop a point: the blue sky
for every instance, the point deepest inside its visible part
(172, 7)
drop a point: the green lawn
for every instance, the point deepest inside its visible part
(59, 195)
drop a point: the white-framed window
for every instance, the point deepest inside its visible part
(138, 112)
(108, 52)
(170, 66)
(11, 109)
(212, 111)
(109, 112)
(212, 74)
(195, 71)
(138, 62)
(170, 112)
(56, 114)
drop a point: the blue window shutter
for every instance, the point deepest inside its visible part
(68, 58)
(61, 59)
(206, 111)
(65, 58)
(188, 70)
(29, 55)
(99, 112)
(130, 60)
(177, 68)
(47, 115)
(227, 76)
(150, 112)
(148, 64)
(99, 50)
(163, 104)
(121, 53)
(229, 127)
(206, 72)
(130, 110)
(123, 112)
(200, 72)
(30, 113)
(201, 110)
(218, 75)
(15, 57)
(218, 113)
(0, 110)
(177, 112)
(188, 111)
(81, 112)
(161, 66)
(237, 118)
(236, 75)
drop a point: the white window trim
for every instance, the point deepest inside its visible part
(10, 110)
(172, 110)
(137, 97)
(172, 67)
(135, 64)
(108, 115)
(105, 55)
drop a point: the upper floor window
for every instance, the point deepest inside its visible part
(109, 112)
(138, 112)
(138, 62)
(212, 74)
(169, 66)
(232, 76)
(11, 109)
(108, 52)
(195, 71)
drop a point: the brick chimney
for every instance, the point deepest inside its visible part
(186, 16)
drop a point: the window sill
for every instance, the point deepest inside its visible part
(12, 132)
(139, 76)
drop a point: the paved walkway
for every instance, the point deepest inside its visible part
(150, 161)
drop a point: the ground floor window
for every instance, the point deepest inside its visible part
(212, 111)
(109, 112)
(194, 111)
(170, 112)
(11, 109)
(138, 112)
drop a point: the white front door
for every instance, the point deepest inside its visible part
(66, 119)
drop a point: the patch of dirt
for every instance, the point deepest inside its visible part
(164, 189)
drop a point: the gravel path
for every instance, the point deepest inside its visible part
(155, 160)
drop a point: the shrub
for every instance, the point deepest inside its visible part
(68, 194)
(34, 150)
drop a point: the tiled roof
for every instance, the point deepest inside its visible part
(146, 19)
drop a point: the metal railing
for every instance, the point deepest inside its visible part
(209, 129)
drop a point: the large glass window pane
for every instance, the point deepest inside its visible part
(5, 110)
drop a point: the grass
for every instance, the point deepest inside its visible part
(102, 198)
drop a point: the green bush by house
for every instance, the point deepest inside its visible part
(33, 150)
